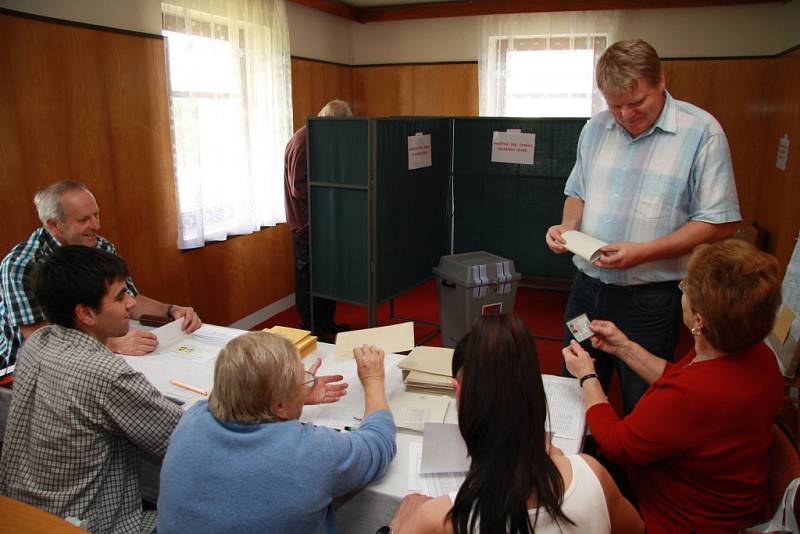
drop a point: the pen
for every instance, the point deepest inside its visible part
(189, 388)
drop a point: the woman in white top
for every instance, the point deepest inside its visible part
(517, 482)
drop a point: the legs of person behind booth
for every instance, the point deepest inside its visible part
(324, 309)
(649, 314)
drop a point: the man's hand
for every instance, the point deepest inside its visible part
(324, 391)
(369, 362)
(135, 343)
(191, 321)
(407, 507)
(622, 255)
(577, 360)
(553, 238)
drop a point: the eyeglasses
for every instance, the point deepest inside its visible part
(310, 380)
(682, 285)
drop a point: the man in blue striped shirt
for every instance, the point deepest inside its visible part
(653, 178)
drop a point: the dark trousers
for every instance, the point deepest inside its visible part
(323, 308)
(648, 314)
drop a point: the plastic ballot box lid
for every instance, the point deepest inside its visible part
(479, 268)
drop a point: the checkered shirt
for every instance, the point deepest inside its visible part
(18, 306)
(78, 420)
(645, 188)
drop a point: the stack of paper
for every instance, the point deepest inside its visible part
(302, 339)
(428, 370)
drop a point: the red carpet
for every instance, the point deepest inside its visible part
(541, 309)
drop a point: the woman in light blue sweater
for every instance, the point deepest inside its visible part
(242, 462)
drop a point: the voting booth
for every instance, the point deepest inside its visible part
(471, 285)
(388, 197)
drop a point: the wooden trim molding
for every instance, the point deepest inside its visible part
(469, 8)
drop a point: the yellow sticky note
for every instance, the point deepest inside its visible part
(783, 323)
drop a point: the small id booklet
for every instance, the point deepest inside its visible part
(584, 245)
(579, 328)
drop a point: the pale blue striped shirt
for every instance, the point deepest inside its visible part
(642, 189)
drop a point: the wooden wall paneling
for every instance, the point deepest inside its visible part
(778, 208)
(380, 91)
(314, 84)
(88, 104)
(241, 275)
(734, 91)
(446, 89)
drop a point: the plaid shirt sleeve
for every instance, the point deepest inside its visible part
(140, 413)
(21, 306)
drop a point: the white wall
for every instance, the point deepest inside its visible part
(745, 30)
(317, 35)
(136, 15)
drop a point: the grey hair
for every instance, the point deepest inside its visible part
(48, 200)
(336, 108)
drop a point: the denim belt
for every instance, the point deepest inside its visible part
(616, 287)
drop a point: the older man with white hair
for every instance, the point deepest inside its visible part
(69, 216)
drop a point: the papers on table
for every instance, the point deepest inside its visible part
(432, 484)
(584, 245)
(413, 410)
(429, 370)
(566, 417)
(444, 450)
(302, 339)
(394, 338)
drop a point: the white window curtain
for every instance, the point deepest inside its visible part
(231, 114)
(542, 64)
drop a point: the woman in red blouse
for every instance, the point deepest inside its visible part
(696, 444)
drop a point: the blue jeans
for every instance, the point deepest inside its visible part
(648, 314)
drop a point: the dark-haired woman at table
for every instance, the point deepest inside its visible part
(518, 482)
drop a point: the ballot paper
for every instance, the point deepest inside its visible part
(394, 338)
(433, 360)
(413, 410)
(444, 450)
(566, 417)
(169, 334)
(431, 484)
(584, 245)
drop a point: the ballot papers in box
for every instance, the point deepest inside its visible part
(302, 339)
(428, 370)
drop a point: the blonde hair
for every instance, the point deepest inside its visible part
(735, 288)
(252, 372)
(336, 108)
(623, 63)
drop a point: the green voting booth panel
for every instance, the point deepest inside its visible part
(368, 208)
(506, 208)
(411, 204)
(338, 174)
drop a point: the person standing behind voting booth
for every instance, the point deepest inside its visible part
(653, 178)
(80, 416)
(242, 462)
(518, 481)
(69, 216)
(697, 444)
(295, 184)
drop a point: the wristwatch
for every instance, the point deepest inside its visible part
(385, 529)
(170, 309)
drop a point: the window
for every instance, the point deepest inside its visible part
(542, 65)
(230, 108)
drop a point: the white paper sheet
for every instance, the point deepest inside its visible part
(584, 245)
(513, 147)
(419, 151)
(433, 485)
(565, 403)
(444, 449)
(413, 410)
